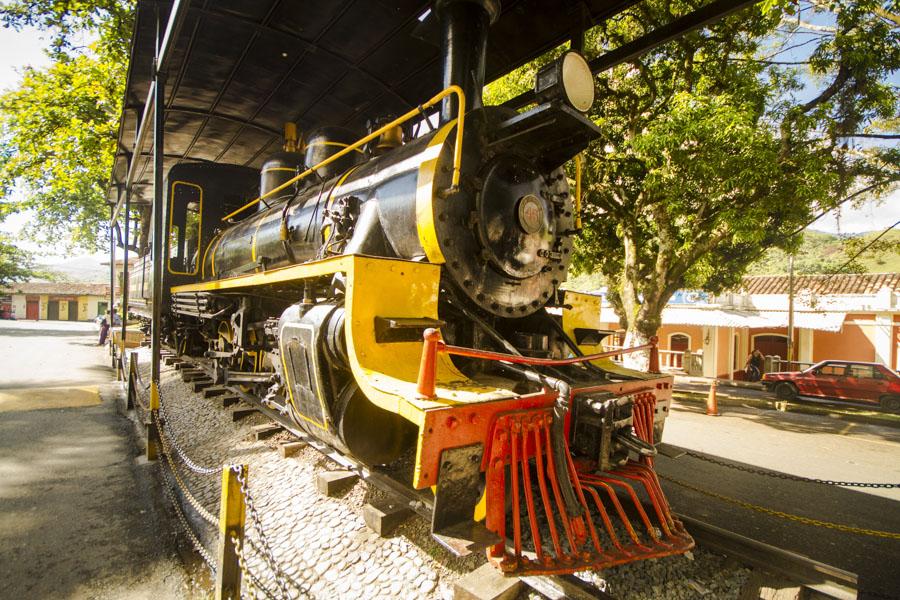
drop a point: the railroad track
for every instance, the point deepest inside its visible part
(789, 568)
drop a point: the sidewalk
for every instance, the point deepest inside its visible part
(694, 390)
(79, 520)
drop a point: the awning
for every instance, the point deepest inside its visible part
(718, 317)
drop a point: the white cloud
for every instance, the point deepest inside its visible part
(874, 215)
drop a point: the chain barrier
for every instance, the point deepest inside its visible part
(195, 541)
(166, 451)
(178, 450)
(249, 581)
(789, 477)
(140, 378)
(783, 515)
(263, 548)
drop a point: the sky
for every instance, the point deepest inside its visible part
(18, 49)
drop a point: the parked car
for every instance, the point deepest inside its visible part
(872, 383)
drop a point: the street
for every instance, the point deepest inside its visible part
(78, 518)
(797, 444)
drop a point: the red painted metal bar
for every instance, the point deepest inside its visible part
(433, 345)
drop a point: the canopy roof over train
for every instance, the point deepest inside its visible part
(237, 69)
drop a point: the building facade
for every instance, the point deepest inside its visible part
(50, 301)
(841, 317)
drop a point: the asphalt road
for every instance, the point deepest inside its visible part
(799, 444)
(77, 518)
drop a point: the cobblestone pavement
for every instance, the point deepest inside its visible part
(323, 544)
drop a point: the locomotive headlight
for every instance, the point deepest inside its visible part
(569, 78)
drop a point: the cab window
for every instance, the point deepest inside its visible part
(862, 371)
(832, 370)
(185, 221)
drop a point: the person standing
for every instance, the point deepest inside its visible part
(104, 329)
(754, 365)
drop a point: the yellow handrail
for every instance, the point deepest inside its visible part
(457, 151)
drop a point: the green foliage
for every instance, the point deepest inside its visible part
(58, 128)
(15, 263)
(711, 153)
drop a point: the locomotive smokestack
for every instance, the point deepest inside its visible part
(464, 28)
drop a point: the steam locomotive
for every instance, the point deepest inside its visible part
(396, 293)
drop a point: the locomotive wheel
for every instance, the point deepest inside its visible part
(785, 391)
(373, 435)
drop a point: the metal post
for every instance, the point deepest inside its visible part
(790, 339)
(123, 308)
(232, 514)
(158, 257)
(112, 284)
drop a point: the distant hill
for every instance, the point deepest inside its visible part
(82, 269)
(825, 252)
(820, 253)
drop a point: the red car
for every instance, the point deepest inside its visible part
(871, 383)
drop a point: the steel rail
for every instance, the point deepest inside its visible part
(823, 578)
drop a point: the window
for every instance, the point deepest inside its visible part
(185, 221)
(832, 370)
(862, 371)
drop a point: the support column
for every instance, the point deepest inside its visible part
(805, 349)
(123, 310)
(884, 323)
(112, 282)
(731, 356)
(710, 351)
(158, 256)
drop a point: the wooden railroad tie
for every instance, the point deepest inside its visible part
(332, 483)
(192, 374)
(201, 384)
(171, 360)
(261, 432)
(215, 390)
(385, 515)
(227, 399)
(180, 364)
(289, 449)
(239, 413)
(486, 583)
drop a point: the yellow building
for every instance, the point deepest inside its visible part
(63, 301)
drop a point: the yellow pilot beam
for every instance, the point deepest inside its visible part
(457, 150)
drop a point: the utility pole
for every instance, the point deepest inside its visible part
(790, 339)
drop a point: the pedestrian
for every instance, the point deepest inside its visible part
(753, 368)
(104, 329)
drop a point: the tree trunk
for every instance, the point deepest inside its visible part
(639, 361)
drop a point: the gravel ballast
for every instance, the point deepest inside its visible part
(322, 545)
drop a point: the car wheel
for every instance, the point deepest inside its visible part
(786, 391)
(891, 403)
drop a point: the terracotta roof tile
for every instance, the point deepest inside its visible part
(61, 288)
(838, 284)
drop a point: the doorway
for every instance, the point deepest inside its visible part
(678, 342)
(53, 310)
(32, 310)
(73, 310)
(771, 344)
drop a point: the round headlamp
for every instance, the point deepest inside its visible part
(569, 79)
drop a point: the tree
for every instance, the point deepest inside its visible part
(712, 150)
(58, 128)
(15, 263)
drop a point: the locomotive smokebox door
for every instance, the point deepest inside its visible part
(301, 375)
